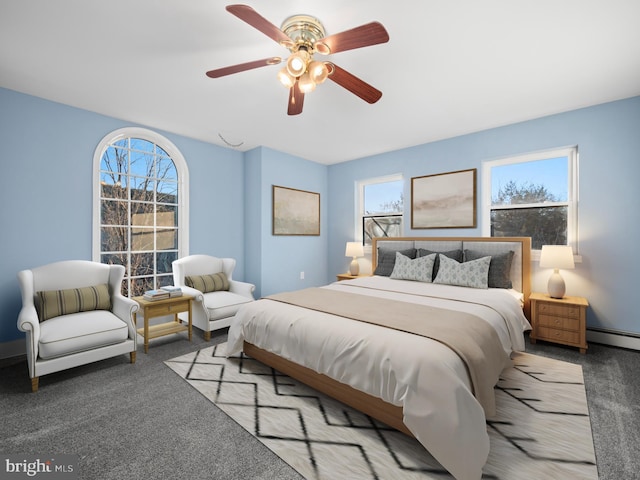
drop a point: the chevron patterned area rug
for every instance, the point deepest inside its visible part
(541, 430)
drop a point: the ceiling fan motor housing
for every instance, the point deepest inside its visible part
(304, 31)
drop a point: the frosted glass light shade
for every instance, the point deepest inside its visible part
(297, 63)
(285, 78)
(318, 72)
(306, 84)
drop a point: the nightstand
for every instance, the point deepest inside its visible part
(348, 276)
(559, 320)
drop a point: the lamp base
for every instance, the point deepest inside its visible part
(354, 267)
(556, 286)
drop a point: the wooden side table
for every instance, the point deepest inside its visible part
(161, 308)
(348, 276)
(559, 320)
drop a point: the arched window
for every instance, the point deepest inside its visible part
(140, 214)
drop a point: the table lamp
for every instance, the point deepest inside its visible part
(556, 257)
(354, 249)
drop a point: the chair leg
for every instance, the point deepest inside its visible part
(207, 336)
(34, 384)
(133, 357)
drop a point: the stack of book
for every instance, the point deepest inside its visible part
(162, 293)
(152, 295)
(173, 291)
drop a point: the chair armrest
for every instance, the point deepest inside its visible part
(242, 288)
(197, 294)
(28, 322)
(124, 308)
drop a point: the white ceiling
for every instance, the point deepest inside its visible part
(451, 67)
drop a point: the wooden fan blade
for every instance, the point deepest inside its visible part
(354, 84)
(296, 100)
(241, 67)
(257, 21)
(369, 34)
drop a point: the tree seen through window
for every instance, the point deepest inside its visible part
(534, 196)
(139, 213)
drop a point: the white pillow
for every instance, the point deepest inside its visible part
(419, 269)
(474, 274)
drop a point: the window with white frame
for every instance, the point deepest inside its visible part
(533, 195)
(140, 207)
(380, 207)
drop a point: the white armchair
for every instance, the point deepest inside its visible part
(212, 310)
(69, 328)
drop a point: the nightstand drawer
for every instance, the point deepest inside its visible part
(572, 324)
(569, 311)
(555, 335)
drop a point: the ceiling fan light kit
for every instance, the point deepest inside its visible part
(304, 36)
(297, 62)
(286, 78)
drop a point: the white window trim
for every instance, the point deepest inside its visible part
(183, 182)
(572, 219)
(359, 202)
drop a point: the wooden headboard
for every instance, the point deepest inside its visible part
(521, 246)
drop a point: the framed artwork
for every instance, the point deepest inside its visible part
(444, 200)
(295, 212)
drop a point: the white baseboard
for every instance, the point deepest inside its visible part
(615, 339)
(14, 348)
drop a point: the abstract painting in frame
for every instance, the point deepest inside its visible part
(444, 200)
(295, 212)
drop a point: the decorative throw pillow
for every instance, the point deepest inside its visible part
(472, 274)
(53, 303)
(387, 260)
(499, 268)
(453, 254)
(208, 283)
(418, 269)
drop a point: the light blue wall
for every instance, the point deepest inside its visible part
(46, 152)
(281, 259)
(608, 139)
(254, 218)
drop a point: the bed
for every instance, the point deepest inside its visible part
(430, 379)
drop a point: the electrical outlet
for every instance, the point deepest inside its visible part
(301, 275)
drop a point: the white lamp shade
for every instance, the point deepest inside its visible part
(556, 256)
(354, 249)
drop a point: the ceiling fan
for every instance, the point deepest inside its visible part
(304, 36)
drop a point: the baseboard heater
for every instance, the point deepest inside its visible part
(614, 338)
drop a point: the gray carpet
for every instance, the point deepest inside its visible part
(612, 382)
(139, 421)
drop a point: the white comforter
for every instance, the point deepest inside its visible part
(423, 376)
